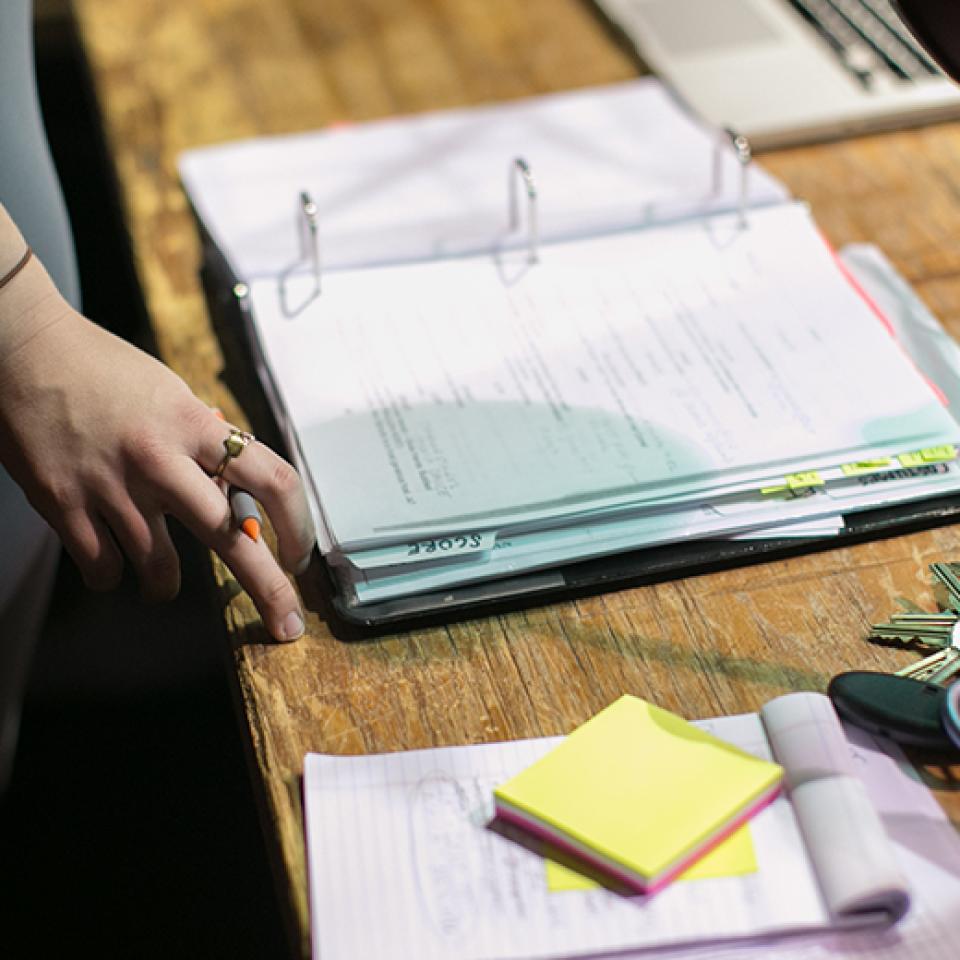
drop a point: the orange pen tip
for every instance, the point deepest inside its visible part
(251, 527)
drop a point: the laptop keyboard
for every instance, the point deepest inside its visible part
(869, 39)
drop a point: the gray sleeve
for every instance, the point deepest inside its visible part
(29, 188)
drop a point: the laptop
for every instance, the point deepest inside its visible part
(783, 72)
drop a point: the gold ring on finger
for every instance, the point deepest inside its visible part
(234, 444)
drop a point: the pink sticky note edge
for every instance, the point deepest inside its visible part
(880, 315)
(630, 879)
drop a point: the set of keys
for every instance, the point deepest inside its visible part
(937, 632)
(911, 712)
(913, 706)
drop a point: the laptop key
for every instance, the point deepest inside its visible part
(867, 38)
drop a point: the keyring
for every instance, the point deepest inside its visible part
(234, 444)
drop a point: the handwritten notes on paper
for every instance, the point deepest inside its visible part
(668, 364)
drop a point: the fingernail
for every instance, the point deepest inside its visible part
(292, 626)
(303, 563)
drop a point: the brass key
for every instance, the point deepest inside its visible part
(946, 585)
(939, 666)
(927, 629)
(919, 670)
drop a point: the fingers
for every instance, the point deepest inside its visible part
(87, 539)
(128, 514)
(257, 571)
(274, 483)
(145, 539)
(196, 500)
(91, 536)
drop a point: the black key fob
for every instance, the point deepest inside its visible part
(951, 713)
(905, 710)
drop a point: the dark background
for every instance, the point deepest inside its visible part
(130, 828)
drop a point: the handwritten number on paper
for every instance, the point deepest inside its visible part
(445, 545)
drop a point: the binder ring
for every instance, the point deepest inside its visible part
(744, 155)
(520, 171)
(308, 218)
(310, 235)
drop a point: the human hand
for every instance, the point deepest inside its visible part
(106, 441)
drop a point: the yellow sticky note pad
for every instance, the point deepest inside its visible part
(735, 857)
(638, 792)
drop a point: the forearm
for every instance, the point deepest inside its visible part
(12, 244)
(29, 300)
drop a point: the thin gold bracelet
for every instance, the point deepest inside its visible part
(24, 260)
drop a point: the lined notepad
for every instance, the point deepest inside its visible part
(639, 792)
(407, 861)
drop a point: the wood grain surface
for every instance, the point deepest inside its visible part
(173, 74)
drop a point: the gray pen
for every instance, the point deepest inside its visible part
(245, 513)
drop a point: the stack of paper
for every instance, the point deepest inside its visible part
(671, 367)
(639, 792)
(638, 388)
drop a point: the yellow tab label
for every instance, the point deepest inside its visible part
(770, 491)
(800, 481)
(942, 454)
(864, 466)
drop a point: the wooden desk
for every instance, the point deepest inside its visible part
(179, 73)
